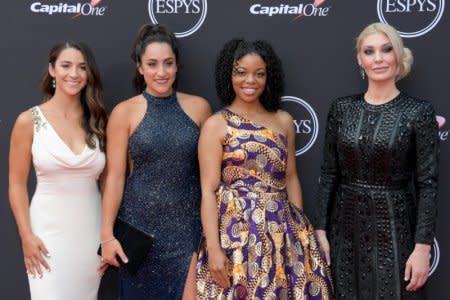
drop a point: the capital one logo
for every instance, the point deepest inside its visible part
(184, 17)
(305, 121)
(314, 8)
(412, 18)
(89, 8)
(434, 257)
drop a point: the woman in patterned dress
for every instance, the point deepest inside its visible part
(257, 243)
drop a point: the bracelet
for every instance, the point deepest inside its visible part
(107, 241)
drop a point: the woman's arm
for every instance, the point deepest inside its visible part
(19, 167)
(210, 157)
(426, 174)
(329, 171)
(426, 185)
(116, 162)
(293, 185)
(328, 180)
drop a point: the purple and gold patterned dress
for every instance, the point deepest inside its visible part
(269, 242)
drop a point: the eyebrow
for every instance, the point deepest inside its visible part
(245, 69)
(386, 44)
(70, 62)
(155, 59)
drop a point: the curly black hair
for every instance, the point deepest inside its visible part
(234, 50)
(147, 34)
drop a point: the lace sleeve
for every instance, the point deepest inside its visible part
(426, 173)
(329, 171)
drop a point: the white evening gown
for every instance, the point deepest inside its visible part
(65, 213)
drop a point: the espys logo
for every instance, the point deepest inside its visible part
(314, 9)
(305, 121)
(434, 257)
(443, 134)
(91, 8)
(412, 18)
(184, 16)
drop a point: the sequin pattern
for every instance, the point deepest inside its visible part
(162, 197)
(38, 121)
(373, 156)
(270, 243)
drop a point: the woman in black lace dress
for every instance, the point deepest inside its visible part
(377, 195)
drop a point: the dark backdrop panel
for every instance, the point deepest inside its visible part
(317, 52)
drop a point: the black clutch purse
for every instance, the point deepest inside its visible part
(135, 243)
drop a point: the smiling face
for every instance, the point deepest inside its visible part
(249, 77)
(159, 68)
(377, 57)
(69, 72)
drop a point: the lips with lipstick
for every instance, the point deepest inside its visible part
(441, 121)
(379, 69)
(249, 91)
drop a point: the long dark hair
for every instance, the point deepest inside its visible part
(148, 34)
(94, 114)
(234, 50)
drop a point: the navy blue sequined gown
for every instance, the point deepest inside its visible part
(162, 197)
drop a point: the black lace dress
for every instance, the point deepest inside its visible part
(377, 192)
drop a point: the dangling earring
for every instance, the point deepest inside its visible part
(361, 70)
(54, 83)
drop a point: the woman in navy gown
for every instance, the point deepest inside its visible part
(157, 131)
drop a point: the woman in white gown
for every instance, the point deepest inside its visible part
(64, 138)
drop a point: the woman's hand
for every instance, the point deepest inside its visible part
(417, 267)
(34, 251)
(324, 244)
(218, 267)
(110, 250)
(102, 268)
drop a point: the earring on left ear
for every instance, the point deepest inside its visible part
(54, 83)
(363, 73)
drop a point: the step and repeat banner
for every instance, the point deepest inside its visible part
(314, 38)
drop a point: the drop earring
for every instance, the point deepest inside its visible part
(361, 70)
(54, 83)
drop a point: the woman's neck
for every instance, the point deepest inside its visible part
(67, 105)
(247, 108)
(159, 95)
(381, 92)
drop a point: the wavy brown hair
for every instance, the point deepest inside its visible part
(94, 114)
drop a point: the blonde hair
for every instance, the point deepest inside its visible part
(403, 54)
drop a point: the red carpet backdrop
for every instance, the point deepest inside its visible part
(314, 38)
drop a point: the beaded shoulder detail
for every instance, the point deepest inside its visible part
(38, 121)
